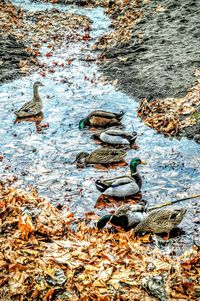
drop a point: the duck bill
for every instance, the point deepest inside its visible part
(143, 162)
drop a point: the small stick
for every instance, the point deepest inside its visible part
(173, 202)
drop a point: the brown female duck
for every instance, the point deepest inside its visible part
(32, 107)
(160, 221)
(101, 156)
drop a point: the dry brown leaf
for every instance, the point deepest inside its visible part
(88, 262)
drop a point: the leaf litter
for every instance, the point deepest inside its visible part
(42, 258)
(36, 29)
(124, 16)
(171, 115)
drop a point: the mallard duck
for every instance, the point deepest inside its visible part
(116, 137)
(160, 221)
(101, 118)
(122, 186)
(101, 156)
(32, 107)
(126, 216)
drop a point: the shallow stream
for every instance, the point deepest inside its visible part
(44, 160)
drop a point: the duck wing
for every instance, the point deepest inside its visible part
(106, 156)
(116, 132)
(120, 181)
(29, 109)
(100, 121)
(159, 221)
(128, 208)
(116, 136)
(112, 137)
(103, 184)
(105, 114)
(122, 210)
(122, 190)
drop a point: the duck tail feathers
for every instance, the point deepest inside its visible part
(134, 136)
(100, 186)
(120, 115)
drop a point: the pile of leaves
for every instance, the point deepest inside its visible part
(38, 27)
(35, 29)
(124, 16)
(42, 258)
(171, 115)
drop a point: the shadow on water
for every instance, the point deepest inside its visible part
(45, 160)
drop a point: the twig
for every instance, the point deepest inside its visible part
(173, 202)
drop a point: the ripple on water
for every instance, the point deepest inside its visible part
(45, 160)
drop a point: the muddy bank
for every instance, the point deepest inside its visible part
(162, 55)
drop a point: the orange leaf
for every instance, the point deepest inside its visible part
(86, 37)
(51, 71)
(26, 226)
(48, 54)
(48, 296)
(22, 63)
(43, 73)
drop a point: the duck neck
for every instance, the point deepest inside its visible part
(36, 95)
(136, 176)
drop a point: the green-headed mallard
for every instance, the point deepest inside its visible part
(101, 118)
(122, 186)
(127, 216)
(160, 221)
(32, 107)
(116, 137)
(101, 156)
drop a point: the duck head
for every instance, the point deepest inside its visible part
(83, 123)
(81, 157)
(103, 221)
(37, 84)
(134, 163)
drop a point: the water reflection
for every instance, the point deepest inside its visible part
(36, 119)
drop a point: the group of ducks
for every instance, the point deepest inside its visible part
(130, 215)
